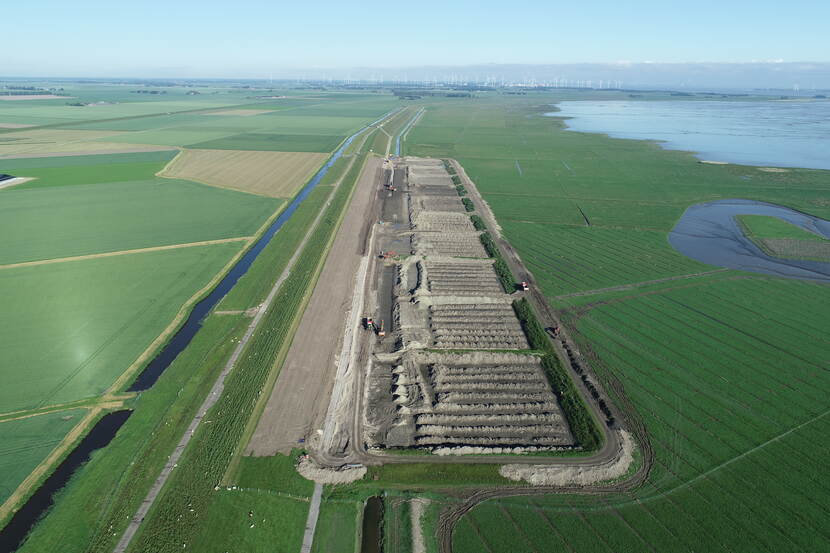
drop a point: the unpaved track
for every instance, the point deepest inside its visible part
(124, 252)
(298, 402)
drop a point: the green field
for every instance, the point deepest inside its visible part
(337, 527)
(727, 371)
(72, 328)
(763, 226)
(27, 442)
(274, 142)
(65, 221)
(109, 488)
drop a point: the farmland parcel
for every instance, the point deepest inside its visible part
(726, 370)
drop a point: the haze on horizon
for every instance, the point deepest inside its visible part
(649, 41)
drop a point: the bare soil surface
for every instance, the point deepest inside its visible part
(299, 399)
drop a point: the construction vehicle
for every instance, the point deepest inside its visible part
(388, 254)
(524, 286)
(368, 323)
(381, 330)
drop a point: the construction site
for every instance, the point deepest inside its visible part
(441, 362)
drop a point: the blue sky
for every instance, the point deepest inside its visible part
(254, 38)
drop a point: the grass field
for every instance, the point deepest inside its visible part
(26, 442)
(65, 221)
(72, 328)
(101, 168)
(763, 226)
(274, 174)
(273, 141)
(728, 371)
(337, 528)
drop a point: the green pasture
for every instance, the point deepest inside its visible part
(27, 442)
(731, 383)
(728, 371)
(64, 221)
(249, 520)
(764, 226)
(70, 329)
(337, 527)
(23, 165)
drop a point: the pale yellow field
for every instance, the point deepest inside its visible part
(274, 174)
(243, 112)
(57, 141)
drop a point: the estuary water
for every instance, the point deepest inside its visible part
(767, 133)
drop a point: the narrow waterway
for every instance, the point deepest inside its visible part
(709, 233)
(372, 540)
(180, 340)
(23, 520)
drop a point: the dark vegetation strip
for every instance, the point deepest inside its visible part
(460, 189)
(175, 518)
(468, 204)
(478, 222)
(583, 427)
(508, 281)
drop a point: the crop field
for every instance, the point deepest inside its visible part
(273, 141)
(81, 323)
(71, 170)
(41, 142)
(26, 442)
(728, 372)
(66, 221)
(274, 174)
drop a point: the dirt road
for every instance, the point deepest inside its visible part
(299, 400)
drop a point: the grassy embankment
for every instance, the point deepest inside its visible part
(725, 370)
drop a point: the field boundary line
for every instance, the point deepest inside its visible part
(106, 402)
(125, 252)
(622, 287)
(43, 468)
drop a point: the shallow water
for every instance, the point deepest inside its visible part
(769, 133)
(709, 233)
